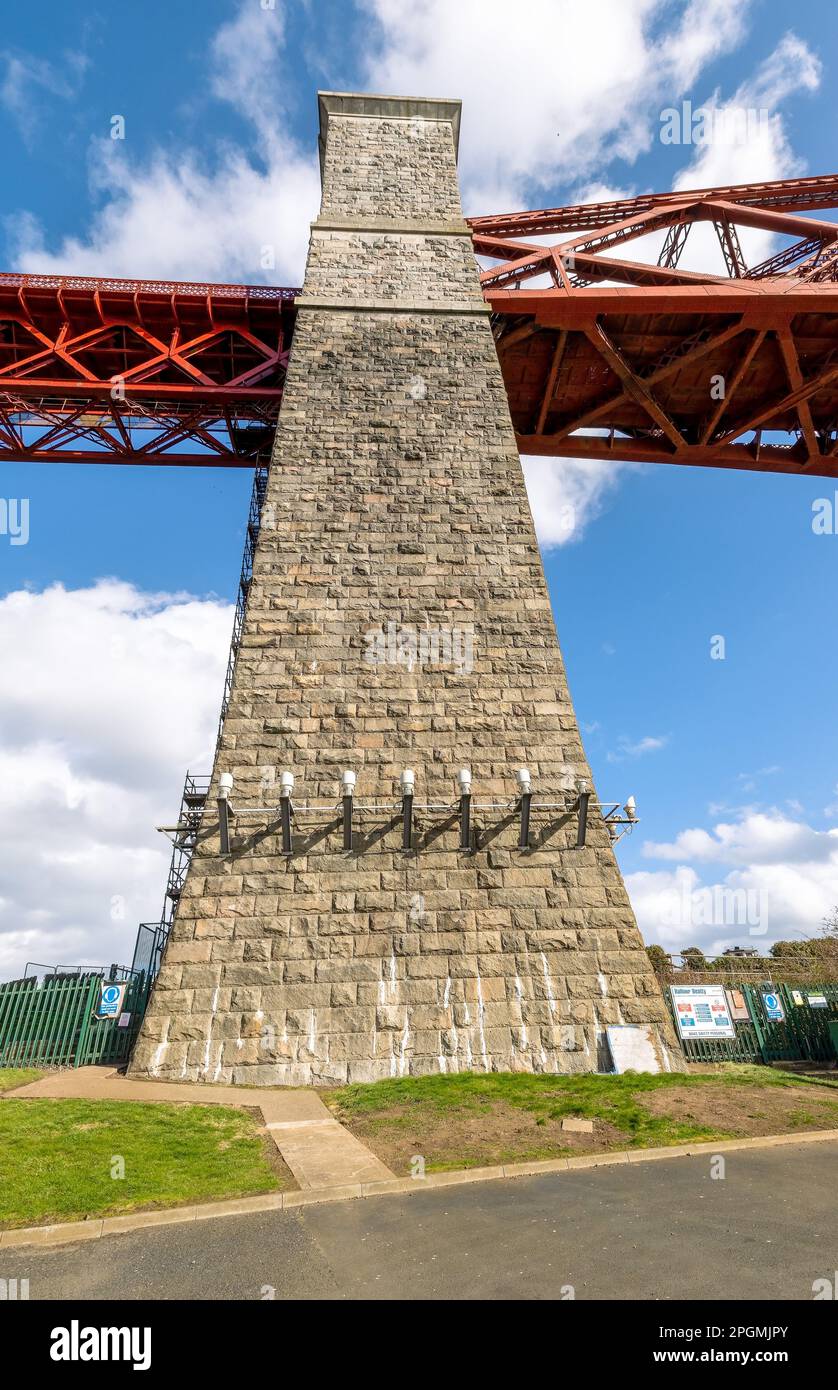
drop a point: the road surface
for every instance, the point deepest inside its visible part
(658, 1230)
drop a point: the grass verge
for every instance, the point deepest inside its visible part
(473, 1119)
(60, 1159)
(12, 1077)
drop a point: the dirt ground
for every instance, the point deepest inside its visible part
(503, 1133)
(745, 1112)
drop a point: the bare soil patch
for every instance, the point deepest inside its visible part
(465, 1139)
(745, 1112)
(477, 1129)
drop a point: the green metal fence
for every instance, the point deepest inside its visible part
(803, 1035)
(50, 1019)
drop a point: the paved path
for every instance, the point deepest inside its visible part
(317, 1149)
(664, 1230)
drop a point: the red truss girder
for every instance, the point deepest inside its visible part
(621, 358)
(783, 195)
(140, 371)
(95, 370)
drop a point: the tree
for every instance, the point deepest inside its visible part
(659, 961)
(694, 958)
(791, 948)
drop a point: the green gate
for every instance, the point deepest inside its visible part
(803, 1035)
(50, 1020)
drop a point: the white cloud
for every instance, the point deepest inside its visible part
(25, 80)
(96, 741)
(549, 95)
(748, 144)
(781, 882)
(743, 139)
(201, 214)
(566, 495)
(246, 67)
(637, 748)
(179, 220)
(757, 837)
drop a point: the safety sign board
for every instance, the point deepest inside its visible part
(737, 1004)
(110, 1000)
(702, 1011)
(774, 1010)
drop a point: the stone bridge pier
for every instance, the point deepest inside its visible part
(398, 618)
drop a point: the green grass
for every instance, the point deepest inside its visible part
(12, 1077)
(389, 1108)
(57, 1157)
(615, 1099)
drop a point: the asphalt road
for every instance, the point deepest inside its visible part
(657, 1230)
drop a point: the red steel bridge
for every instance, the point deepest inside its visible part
(602, 356)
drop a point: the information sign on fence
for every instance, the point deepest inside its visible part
(701, 1011)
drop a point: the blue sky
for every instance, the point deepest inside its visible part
(733, 762)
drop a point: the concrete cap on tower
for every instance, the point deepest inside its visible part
(396, 108)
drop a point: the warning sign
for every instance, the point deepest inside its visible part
(110, 999)
(702, 1011)
(774, 1010)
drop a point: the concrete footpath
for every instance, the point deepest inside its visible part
(319, 1151)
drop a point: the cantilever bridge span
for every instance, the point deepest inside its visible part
(602, 355)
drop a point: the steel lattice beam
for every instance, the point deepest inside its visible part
(665, 364)
(95, 370)
(140, 372)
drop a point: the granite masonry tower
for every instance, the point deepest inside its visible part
(398, 618)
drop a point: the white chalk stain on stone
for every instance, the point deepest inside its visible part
(481, 1009)
(519, 994)
(447, 993)
(403, 1046)
(551, 998)
(603, 985)
(159, 1054)
(213, 1012)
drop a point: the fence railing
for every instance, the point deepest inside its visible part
(803, 1035)
(50, 1019)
